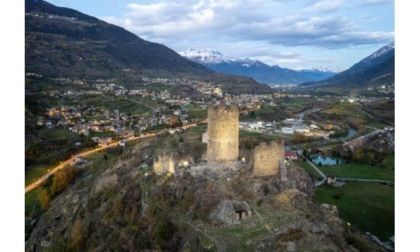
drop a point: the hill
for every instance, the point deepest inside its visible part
(64, 43)
(263, 73)
(376, 69)
(113, 205)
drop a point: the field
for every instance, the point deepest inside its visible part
(297, 104)
(384, 171)
(57, 134)
(266, 113)
(365, 205)
(355, 115)
(368, 206)
(198, 113)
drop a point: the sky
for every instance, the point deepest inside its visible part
(296, 34)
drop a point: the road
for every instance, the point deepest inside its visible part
(35, 184)
(376, 131)
(366, 180)
(318, 183)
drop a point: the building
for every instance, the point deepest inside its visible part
(267, 158)
(331, 179)
(223, 133)
(290, 155)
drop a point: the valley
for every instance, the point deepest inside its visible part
(131, 146)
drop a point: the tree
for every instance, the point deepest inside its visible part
(62, 178)
(77, 235)
(44, 198)
(358, 155)
(370, 158)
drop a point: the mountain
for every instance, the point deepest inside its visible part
(377, 68)
(61, 42)
(258, 70)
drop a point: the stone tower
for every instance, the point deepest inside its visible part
(267, 158)
(223, 133)
(165, 163)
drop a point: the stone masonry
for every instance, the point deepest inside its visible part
(267, 158)
(165, 163)
(223, 133)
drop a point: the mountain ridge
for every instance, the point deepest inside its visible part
(62, 42)
(256, 69)
(377, 68)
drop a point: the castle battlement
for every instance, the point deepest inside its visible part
(274, 146)
(223, 133)
(222, 111)
(267, 158)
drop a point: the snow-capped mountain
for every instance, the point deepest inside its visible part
(206, 57)
(377, 68)
(258, 70)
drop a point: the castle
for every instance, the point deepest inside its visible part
(223, 133)
(268, 159)
(165, 163)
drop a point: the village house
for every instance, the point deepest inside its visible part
(290, 155)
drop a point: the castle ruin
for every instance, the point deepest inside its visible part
(223, 133)
(165, 163)
(267, 159)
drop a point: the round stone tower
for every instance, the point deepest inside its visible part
(223, 133)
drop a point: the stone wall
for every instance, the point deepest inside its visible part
(267, 158)
(223, 133)
(165, 163)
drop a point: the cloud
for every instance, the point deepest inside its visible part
(285, 23)
(376, 2)
(325, 5)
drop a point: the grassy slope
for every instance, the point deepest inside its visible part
(363, 171)
(57, 134)
(309, 169)
(368, 206)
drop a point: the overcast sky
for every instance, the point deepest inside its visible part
(290, 33)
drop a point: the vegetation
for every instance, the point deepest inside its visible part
(384, 171)
(308, 168)
(294, 105)
(266, 113)
(44, 198)
(367, 206)
(62, 179)
(35, 173)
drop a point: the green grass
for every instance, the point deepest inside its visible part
(309, 169)
(296, 104)
(57, 134)
(201, 114)
(32, 206)
(383, 171)
(197, 130)
(35, 173)
(366, 205)
(345, 109)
